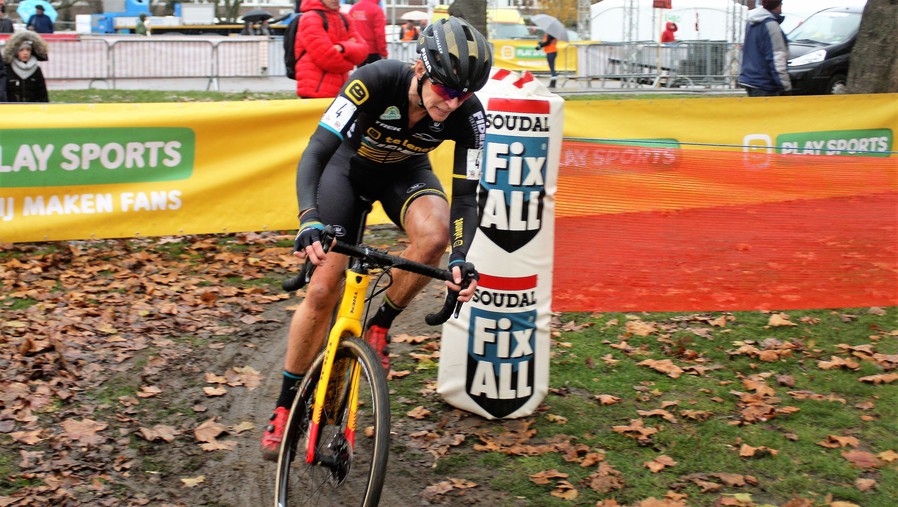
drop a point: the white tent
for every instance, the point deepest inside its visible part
(637, 20)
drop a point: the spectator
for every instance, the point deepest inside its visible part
(410, 32)
(40, 22)
(3, 81)
(549, 45)
(668, 34)
(765, 52)
(325, 57)
(6, 24)
(248, 28)
(369, 20)
(24, 79)
(143, 26)
(264, 27)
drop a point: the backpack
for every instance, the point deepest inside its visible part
(290, 56)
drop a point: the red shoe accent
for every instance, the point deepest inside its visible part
(274, 433)
(377, 337)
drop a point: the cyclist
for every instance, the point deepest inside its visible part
(372, 143)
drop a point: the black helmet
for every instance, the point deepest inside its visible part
(455, 54)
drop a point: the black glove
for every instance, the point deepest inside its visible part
(538, 47)
(309, 230)
(468, 271)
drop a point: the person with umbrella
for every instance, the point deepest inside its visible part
(548, 45)
(554, 30)
(40, 22)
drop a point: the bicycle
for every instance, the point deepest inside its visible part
(345, 389)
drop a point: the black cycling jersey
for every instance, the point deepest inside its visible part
(370, 117)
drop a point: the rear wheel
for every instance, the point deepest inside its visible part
(346, 473)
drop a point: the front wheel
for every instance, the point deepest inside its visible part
(838, 85)
(344, 472)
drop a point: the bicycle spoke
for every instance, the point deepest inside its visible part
(344, 474)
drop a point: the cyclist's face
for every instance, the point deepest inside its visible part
(437, 101)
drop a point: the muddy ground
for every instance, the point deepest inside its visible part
(241, 478)
(105, 384)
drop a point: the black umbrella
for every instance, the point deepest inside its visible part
(257, 15)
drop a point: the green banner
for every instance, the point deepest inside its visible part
(858, 143)
(95, 156)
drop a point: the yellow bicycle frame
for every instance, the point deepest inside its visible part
(348, 323)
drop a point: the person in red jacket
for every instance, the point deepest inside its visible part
(668, 34)
(369, 20)
(325, 57)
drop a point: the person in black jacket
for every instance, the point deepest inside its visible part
(6, 24)
(24, 79)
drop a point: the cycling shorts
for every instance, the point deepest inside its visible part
(348, 184)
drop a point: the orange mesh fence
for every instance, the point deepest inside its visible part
(660, 228)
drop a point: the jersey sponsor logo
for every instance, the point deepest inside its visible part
(391, 113)
(415, 188)
(338, 114)
(478, 123)
(436, 126)
(424, 136)
(356, 91)
(501, 343)
(386, 126)
(373, 133)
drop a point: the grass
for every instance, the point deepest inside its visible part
(811, 406)
(709, 425)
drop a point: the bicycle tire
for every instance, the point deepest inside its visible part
(303, 484)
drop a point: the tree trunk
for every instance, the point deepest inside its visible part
(874, 59)
(472, 11)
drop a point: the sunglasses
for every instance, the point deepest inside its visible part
(447, 93)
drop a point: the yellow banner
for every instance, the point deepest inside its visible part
(124, 170)
(521, 55)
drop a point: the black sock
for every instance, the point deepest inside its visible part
(385, 314)
(289, 386)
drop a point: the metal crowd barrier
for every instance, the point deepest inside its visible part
(683, 64)
(108, 58)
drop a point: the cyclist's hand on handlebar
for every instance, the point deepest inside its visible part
(461, 273)
(308, 238)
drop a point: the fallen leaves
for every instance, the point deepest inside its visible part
(747, 451)
(665, 366)
(159, 432)
(659, 463)
(85, 431)
(637, 430)
(862, 459)
(885, 378)
(208, 433)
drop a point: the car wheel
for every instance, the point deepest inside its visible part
(837, 85)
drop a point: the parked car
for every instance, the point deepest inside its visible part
(820, 48)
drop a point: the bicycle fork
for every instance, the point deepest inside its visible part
(349, 322)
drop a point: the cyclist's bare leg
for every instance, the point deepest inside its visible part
(310, 322)
(427, 226)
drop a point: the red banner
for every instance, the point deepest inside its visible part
(666, 229)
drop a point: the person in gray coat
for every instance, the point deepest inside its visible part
(765, 52)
